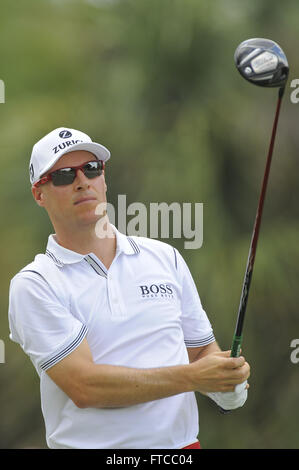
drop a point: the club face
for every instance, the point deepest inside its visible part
(262, 62)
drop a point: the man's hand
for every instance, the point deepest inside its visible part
(218, 372)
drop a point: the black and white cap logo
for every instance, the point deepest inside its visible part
(31, 170)
(65, 134)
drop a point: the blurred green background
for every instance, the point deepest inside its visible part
(154, 81)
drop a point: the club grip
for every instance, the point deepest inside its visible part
(235, 352)
(236, 346)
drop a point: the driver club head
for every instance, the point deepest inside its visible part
(262, 62)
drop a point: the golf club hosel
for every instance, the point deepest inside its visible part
(281, 91)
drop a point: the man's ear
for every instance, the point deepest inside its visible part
(38, 195)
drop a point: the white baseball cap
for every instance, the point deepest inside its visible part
(50, 148)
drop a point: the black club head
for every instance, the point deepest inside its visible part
(262, 62)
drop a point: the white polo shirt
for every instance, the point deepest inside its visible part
(142, 312)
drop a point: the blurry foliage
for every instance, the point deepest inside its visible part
(154, 81)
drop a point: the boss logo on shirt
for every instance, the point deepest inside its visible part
(156, 290)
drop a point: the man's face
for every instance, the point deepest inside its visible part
(73, 204)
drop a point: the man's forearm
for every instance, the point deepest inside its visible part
(111, 386)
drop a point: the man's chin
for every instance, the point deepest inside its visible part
(87, 220)
(91, 219)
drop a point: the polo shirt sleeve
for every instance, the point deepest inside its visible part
(40, 322)
(196, 326)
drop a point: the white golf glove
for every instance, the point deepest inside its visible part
(230, 400)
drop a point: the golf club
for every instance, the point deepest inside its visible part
(262, 62)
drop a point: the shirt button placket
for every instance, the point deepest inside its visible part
(114, 297)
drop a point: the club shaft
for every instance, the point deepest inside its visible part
(237, 338)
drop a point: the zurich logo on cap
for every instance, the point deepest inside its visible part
(65, 134)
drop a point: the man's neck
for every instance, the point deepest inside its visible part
(87, 241)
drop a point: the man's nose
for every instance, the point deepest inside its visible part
(81, 181)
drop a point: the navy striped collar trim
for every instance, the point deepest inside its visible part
(62, 256)
(125, 244)
(53, 257)
(134, 246)
(96, 266)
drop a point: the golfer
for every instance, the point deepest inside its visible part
(113, 324)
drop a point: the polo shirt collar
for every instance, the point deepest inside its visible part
(61, 255)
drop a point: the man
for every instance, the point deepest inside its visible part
(113, 324)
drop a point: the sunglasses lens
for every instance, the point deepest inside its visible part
(63, 176)
(93, 169)
(67, 175)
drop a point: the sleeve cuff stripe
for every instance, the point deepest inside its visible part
(200, 342)
(46, 365)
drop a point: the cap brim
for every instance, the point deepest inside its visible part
(101, 152)
(97, 149)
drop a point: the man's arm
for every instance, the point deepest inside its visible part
(108, 386)
(197, 353)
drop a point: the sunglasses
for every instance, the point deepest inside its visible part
(65, 176)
